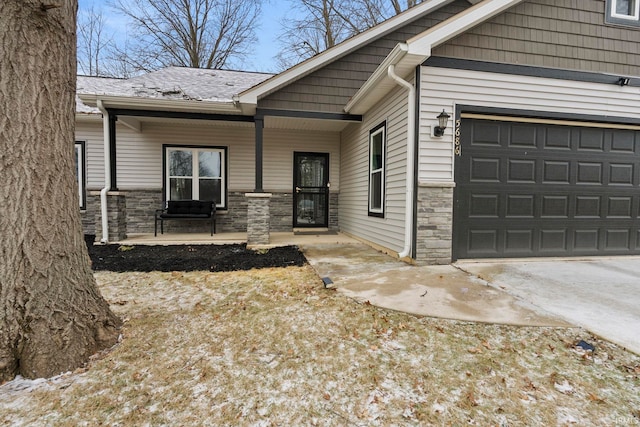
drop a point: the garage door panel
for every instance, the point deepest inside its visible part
(519, 241)
(617, 240)
(485, 170)
(555, 206)
(520, 206)
(553, 240)
(586, 240)
(483, 242)
(624, 141)
(484, 206)
(619, 207)
(538, 189)
(621, 174)
(556, 172)
(521, 171)
(557, 137)
(589, 173)
(591, 139)
(522, 135)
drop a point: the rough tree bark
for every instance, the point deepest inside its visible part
(52, 317)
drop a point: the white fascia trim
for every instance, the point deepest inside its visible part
(457, 25)
(296, 72)
(417, 49)
(380, 73)
(161, 104)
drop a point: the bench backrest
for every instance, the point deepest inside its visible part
(190, 207)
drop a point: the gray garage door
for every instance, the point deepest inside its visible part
(546, 189)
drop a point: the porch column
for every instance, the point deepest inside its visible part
(116, 215)
(259, 123)
(258, 218)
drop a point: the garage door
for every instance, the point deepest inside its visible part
(545, 188)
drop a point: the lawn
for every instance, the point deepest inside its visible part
(273, 347)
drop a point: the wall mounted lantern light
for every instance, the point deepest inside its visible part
(623, 81)
(443, 118)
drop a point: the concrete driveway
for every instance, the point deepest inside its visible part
(601, 295)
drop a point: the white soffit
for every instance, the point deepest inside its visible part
(406, 56)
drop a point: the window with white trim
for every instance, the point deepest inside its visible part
(79, 169)
(623, 12)
(377, 154)
(195, 173)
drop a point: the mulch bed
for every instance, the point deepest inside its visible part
(190, 257)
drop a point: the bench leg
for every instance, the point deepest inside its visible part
(155, 227)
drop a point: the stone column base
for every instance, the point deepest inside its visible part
(258, 218)
(435, 223)
(116, 214)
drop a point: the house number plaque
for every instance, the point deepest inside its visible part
(457, 149)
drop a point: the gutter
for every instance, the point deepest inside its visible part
(411, 121)
(107, 174)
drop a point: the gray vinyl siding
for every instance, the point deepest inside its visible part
(443, 88)
(91, 134)
(139, 154)
(387, 232)
(564, 34)
(330, 88)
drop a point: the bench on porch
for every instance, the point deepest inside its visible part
(187, 210)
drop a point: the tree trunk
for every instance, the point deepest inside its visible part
(52, 317)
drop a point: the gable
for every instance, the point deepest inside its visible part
(330, 88)
(562, 34)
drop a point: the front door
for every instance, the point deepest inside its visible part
(310, 189)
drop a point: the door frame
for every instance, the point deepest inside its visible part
(296, 156)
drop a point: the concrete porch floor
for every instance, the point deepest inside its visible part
(276, 239)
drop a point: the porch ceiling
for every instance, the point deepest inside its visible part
(298, 123)
(270, 122)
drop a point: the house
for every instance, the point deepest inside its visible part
(540, 155)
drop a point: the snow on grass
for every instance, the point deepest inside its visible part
(273, 347)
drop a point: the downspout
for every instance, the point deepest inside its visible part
(107, 174)
(411, 121)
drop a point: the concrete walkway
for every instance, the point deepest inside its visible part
(365, 274)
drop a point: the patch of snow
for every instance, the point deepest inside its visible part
(565, 387)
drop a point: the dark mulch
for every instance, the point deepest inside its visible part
(190, 257)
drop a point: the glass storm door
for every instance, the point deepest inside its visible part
(311, 190)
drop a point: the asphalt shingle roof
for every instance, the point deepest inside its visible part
(171, 83)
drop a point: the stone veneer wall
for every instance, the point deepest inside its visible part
(435, 223)
(140, 205)
(116, 213)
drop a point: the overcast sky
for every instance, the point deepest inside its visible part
(261, 60)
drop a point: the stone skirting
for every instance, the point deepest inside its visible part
(134, 212)
(434, 223)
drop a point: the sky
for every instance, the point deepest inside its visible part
(273, 11)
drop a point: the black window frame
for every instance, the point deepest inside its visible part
(81, 168)
(382, 127)
(221, 204)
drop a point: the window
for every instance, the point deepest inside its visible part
(624, 12)
(377, 142)
(79, 168)
(196, 173)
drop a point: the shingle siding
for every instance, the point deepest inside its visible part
(564, 34)
(330, 88)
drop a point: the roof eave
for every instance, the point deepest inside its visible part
(154, 104)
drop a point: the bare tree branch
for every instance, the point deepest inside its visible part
(324, 23)
(189, 33)
(93, 42)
